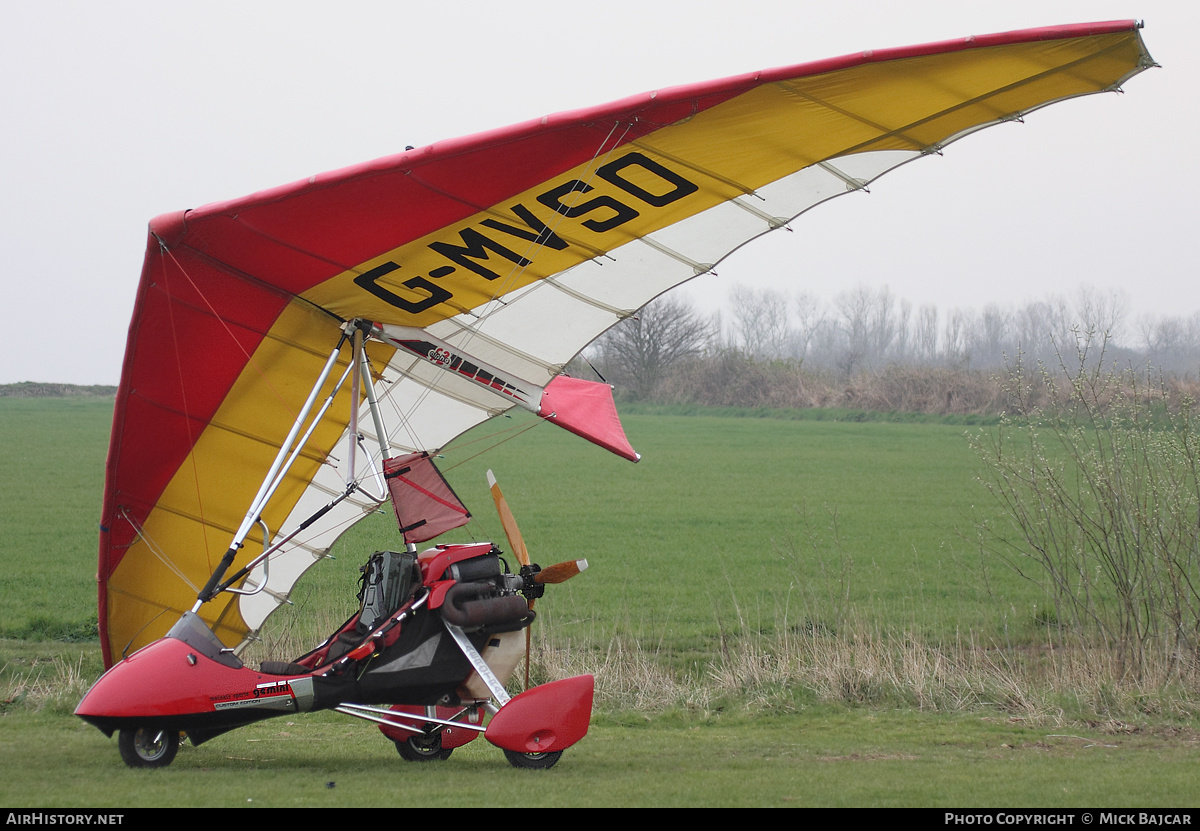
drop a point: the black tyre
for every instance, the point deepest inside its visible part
(148, 747)
(426, 747)
(533, 761)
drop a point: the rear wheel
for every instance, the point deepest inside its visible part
(533, 761)
(426, 747)
(144, 747)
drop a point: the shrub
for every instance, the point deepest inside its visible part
(1098, 472)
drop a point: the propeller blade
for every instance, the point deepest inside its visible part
(561, 572)
(515, 541)
(558, 573)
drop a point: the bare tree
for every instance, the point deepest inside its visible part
(956, 342)
(990, 336)
(1171, 342)
(885, 325)
(810, 319)
(853, 309)
(902, 345)
(1102, 315)
(761, 325)
(638, 351)
(871, 328)
(925, 336)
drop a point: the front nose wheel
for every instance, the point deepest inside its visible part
(144, 747)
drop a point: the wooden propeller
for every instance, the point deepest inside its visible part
(560, 572)
(557, 573)
(515, 541)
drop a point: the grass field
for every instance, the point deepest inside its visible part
(825, 757)
(721, 566)
(52, 453)
(730, 526)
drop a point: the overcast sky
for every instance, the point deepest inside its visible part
(114, 112)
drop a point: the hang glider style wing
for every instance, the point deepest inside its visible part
(483, 265)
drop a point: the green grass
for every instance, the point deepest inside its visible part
(727, 514)
(730, 525)
(729, 529)
(52, 453)
(829, 757)
(724, 515)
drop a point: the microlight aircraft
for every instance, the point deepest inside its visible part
(299, 356)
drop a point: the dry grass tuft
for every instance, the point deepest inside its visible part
(56, 685)
(861, 665)
(866, 667)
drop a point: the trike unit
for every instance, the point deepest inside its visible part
(430, 671)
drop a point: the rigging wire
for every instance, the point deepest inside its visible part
(156, 551)
(515, 431)
(187, 415)
(250, 362)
